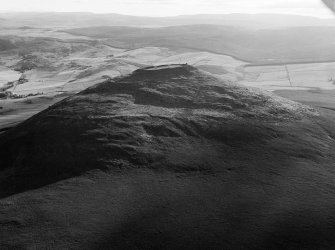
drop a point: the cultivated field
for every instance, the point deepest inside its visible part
(291, 76)
(7, 75)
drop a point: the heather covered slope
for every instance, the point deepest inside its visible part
(170, 158)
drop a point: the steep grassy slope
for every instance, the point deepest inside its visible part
(169, 158)
(299, 44)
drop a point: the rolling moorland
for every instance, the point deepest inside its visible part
(298, 44)
(155, 137)
(40, 66)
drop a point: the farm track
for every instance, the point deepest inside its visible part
(288, 75)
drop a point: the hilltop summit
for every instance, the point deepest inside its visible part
(132, 119)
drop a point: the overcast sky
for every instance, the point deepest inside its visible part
(170, 7)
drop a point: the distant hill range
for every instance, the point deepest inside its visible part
(265, 46)
(255, 38)
(257, 21)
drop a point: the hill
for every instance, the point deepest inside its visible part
(53, 68)
(169, 158)
(267, 46)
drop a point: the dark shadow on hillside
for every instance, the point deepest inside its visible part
(236, 229)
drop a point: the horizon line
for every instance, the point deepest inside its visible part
(166, 16)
